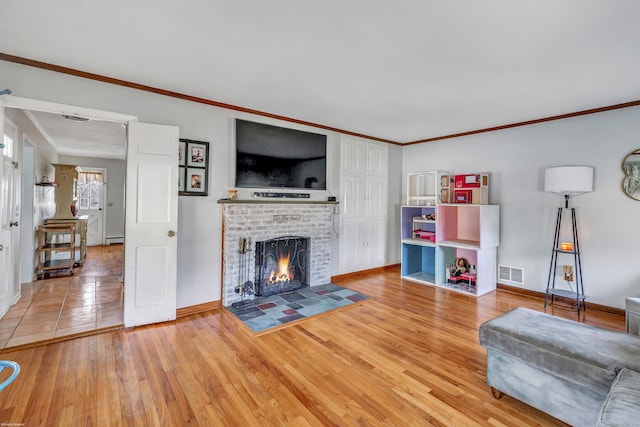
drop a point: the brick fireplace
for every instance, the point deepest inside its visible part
(253, 222)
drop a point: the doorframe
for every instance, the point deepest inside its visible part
(16, 205)
(27, 243)
(10, 101)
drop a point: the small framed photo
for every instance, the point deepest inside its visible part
(444, 181)
(194, 168)
(181, 173)
(197, 153)
(444, 195)
(196, 180)
(182, 153)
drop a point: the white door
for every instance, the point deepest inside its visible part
(353, 196)
(376, 243)
(377, 159)
(151, 219)
(353, 250)
(7, 213)
(353, 157)
(376, 197)
(90, 202)
(15, 188)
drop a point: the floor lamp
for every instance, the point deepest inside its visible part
(567, 181)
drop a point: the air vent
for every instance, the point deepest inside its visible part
(511, 274)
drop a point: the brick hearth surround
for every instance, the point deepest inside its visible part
(270, 220)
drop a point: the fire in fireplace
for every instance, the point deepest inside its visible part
(281, 265)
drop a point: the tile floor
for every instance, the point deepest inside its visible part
(265, 313)
(61, 306)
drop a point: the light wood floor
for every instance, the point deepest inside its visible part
(63, 305)
(411, 357)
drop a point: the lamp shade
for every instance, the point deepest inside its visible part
(568, 180)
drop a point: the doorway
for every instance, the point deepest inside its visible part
(61, 305)
(151, 182)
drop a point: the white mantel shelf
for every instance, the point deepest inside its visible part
(278, 200)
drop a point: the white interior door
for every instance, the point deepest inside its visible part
(7, 212)
(151, 219)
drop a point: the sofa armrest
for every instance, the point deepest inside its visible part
(622, 406)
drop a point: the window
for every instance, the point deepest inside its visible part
(90, 190)
(8, 146)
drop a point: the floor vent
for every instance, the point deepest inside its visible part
(511, 274)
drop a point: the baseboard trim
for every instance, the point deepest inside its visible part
(363, 272)
(195, 309)
(540, 295)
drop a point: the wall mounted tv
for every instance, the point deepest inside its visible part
(275, 157)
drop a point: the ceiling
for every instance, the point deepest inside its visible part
(403, 71)
(93, 138)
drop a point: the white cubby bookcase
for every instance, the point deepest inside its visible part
(425, 188)
(431, 245)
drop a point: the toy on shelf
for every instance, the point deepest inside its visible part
(461, 266)
(471, 189)
(425, 235)
(461, 272)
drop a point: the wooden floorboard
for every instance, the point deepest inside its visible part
(411, 357)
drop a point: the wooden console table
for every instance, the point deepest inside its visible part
(81, 229)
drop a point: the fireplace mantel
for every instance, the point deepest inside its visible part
(278, 200)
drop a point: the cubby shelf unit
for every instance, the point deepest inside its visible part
(424, 188)
(461, 231)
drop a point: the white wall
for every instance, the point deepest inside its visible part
(43, 205)
(516, 158)
(199, 227)
(114, 205)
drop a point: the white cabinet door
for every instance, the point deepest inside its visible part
(377, 160)
(363, 204)
(353, 157)
(353, 196)
(376, 243)
(376, 197)
(353, 245)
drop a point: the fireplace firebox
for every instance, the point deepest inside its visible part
(282, 265)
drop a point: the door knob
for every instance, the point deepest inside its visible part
(13, 224)
(171, 233)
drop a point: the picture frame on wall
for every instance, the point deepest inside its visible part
(193, 177)
(181, 173)
(182, 153)
(196, 180)
(197, 153)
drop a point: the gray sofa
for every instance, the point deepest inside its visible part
(580, 374)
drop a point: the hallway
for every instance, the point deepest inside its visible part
(66, 305)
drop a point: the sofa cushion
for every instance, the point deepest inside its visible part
(575, 351)
(622, 407)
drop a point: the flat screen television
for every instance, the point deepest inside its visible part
(275, 157)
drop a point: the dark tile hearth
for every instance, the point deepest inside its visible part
(276, 310)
